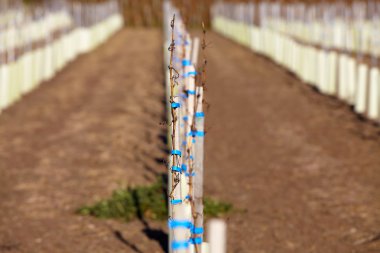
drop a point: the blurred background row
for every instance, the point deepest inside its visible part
(149, 12)
(333, 46)
(135, 12)
(38, 39)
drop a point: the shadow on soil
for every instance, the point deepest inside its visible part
(157, 235)
(154, 234)
(120, 237)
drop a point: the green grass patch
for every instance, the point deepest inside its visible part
(214, 208)
(145, 202)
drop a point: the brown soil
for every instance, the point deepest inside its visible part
(93, 128)
(300, 167)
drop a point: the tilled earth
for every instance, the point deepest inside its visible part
(302, 165)
(92, 129)
(302, 171)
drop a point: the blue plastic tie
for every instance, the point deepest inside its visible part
(176, 152)
(192, 133)
(198, 230)
(186, 62)
(173, 224)
(184, 168)
(178, 245)
(191, 92)
(196, 240)
(176, 201)
(176, 169)
(191, 73)
(175, 105)
(185, 118)
(200, 134)
(196, 133)
(199, 114)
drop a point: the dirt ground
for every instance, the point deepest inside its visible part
(305, 168)
(302, 170)
(93, 128)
